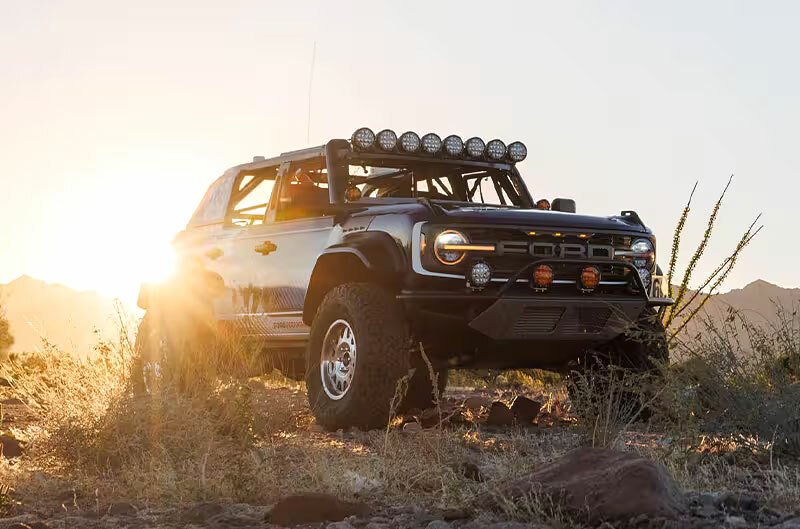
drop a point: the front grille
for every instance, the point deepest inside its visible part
(587, 320)
(537, 320)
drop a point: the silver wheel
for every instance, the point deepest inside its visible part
(338, 359)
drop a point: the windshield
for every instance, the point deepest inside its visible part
(452, 182)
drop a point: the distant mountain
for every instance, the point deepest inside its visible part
(72, 321)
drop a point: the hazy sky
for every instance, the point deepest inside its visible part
(115, 117)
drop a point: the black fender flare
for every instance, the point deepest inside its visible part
(361, 256)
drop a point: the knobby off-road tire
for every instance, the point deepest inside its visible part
(381, 341)
(640, 354)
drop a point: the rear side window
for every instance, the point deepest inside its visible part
(212, 208)
(251, 198)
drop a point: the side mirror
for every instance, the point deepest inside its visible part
(565, 205)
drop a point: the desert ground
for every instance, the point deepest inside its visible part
(501, 450)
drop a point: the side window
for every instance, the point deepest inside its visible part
(251, 199)
(304, 191)
(212, 207)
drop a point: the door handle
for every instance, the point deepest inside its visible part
(266, 247)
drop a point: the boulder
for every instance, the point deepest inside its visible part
(477, 402)
(599, 484)
(313, 507)
(10, 447)
(500, 415)
(525, 410)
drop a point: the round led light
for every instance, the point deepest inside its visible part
(542, 276)
(447, 255)
(543, 203)
(363, 138)
(453, 145)
(496, 149)
(590, 277)
(642, 246)
(387, 140)
(517, 151)
(644, 275)
(431, 143)
(409, 141)
(480, 274)
(475, 147)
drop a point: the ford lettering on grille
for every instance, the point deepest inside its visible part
(572, 250)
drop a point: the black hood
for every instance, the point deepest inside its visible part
(534, 218)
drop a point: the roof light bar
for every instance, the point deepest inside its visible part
(452, 146)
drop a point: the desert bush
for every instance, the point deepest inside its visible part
(6, 339)
(739, 378)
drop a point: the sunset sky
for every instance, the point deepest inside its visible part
(116, 116)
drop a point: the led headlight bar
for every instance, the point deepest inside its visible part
(364, 139)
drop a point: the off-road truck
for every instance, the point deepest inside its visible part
(346, 261)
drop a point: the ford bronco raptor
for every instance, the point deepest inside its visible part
(348, 260)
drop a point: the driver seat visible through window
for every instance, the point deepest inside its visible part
(302, 200)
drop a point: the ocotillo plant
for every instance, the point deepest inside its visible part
(688, 303)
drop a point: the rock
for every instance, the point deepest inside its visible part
(791, 523)
(412, 427)
(579, 482)
(470, 470)
(121, 509)
(477, 403)
(525, 410)
(313, 507)
(340, 525)
(456, 514)
(11, 447)
(500, 415)
(201, 512)
(738, 502)
(735, 522)
(438, 524)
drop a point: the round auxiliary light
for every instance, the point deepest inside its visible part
(453, 145)
(590, 277)
(517, 151)
(496, 150)
(542, 276)
(543, 203)
(475, 147)
(480, 274)
(363, 138)
(442, 247)
(409, 141)
(644, 275)
(431, 143)
(387, 140)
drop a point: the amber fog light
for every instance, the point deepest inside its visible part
(542, 276)
(590, 277)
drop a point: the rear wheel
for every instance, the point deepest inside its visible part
(357, 353)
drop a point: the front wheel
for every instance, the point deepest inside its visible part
(625, 372)
(357, 354)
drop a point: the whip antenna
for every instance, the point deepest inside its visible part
(310, 81)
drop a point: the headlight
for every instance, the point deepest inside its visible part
(517, 151)
(453, 145)
(387, 139)
(642, 246)
(496, 149)
(409, 141)
(363, 138)
(431, 143)
(449, 238)
(475, 147)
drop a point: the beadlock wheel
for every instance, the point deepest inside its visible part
(338, 359)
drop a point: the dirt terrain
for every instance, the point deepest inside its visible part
(507, 457)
